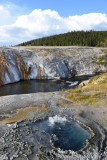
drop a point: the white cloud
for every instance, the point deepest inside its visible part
(87, 21)
(41, 23)
(5, 16)
(9, 13)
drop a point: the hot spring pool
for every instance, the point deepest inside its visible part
(66, 134)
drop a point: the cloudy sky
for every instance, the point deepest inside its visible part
(23, 20)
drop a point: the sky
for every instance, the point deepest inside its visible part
(23, 20)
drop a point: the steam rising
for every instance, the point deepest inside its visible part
(56, 119)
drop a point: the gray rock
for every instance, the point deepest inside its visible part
(18, 63)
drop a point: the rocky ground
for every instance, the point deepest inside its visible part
(18, 63)
(19, 141)
(18, 113)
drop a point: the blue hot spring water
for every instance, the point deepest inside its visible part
(66, 134)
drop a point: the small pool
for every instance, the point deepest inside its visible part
(66, 134)
(34, 86)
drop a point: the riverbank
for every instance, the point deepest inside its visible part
(26, 63)
(86, 104)
(92, 92)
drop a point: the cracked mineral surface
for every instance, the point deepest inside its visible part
(21, 141)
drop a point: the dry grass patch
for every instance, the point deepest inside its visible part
(33, 49)
(94, 93)
(24, 113)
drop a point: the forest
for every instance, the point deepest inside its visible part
(75, 38)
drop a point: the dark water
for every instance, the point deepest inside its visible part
(34, 86)
(67, 134)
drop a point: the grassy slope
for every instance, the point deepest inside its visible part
(94, 93)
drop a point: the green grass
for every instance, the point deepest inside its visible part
(102, 60)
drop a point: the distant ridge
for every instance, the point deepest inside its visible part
(75, 38)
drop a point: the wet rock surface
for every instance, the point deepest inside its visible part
(18, 63)
(21, 141)
(18, 113)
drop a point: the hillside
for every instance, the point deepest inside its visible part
(92, 92)
(76, 38)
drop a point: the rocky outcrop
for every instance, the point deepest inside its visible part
(18, 63)
(12, 68)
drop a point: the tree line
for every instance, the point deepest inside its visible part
(75, 38)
